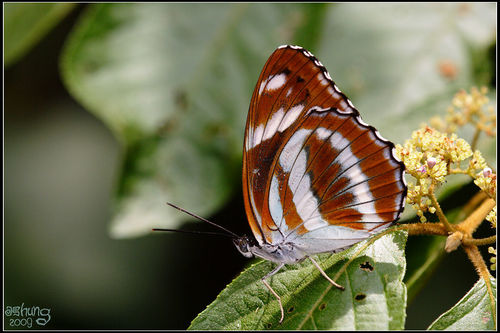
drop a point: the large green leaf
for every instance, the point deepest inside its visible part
(473, 312)
(26, 23)
(374, 296)
(173, 82)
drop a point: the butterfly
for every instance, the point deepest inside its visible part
(316, 178)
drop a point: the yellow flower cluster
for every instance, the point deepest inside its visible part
(492, 217)
(486, 180)
(477, 163)
(468, 109)
(432, 153)
(429, 153)
(429, 156)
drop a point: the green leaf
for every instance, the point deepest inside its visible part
(374, 298)
(473, 312)
(27, 23)
(173, 82)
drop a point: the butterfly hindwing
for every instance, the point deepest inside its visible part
(310, 163)
(335, 180)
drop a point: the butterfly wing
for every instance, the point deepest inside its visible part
(336, 182)
(309, 161)
(291, 82)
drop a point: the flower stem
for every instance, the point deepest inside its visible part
(439, 211)
(473, 203)
(414, 229)
(480, 241)
(480, 266)
(476, 218)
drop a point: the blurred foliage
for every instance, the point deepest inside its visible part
(27, 23)
(173, 83)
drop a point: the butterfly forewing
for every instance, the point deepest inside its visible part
(312, 170)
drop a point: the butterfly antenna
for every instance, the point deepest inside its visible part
(204, 220)
(194, 232)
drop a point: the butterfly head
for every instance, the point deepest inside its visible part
(244, 245)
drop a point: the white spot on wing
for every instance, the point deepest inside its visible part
(262, 85)
(323, 133)
(291, 149)
(305, 201)
(322, 79)
(273, 123)
(333, 93)
(276, 82)
(275, 207)
(290, 117)
(297, 174)
(257, 136)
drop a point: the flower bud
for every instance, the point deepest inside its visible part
(453, 241)
(431, 162)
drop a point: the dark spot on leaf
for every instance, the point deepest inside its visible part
(300, 79)
(360, 297)
(286, 71)
(269, 325)
(322, 306)
(366, 266)
(291, 309)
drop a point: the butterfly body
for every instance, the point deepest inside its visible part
(286, 253)
(316, 177)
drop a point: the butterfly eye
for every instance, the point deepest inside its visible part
(243, 245)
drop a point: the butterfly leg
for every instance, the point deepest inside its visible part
(326, 276)
(274, 271)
